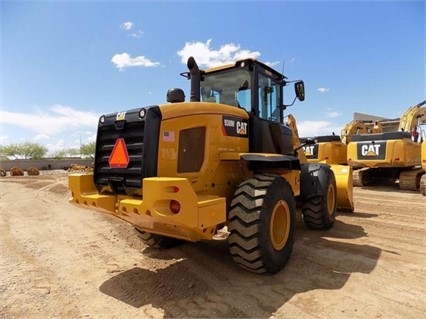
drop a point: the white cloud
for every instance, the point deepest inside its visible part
(323, 90)
(54, 147)
(3, 138)
(91, 138)
(58, 119)
(41, 137)
(332, 114)
(137, 34)
(53, 126)
(127, 25)
(124, 60)
(208, 57)
(317, 128)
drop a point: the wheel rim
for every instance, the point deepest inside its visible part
(331, 199)
(279, 227)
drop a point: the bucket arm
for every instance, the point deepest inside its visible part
(291, 123)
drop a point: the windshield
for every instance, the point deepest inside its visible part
(231, 88)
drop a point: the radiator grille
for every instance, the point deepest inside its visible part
(132, 129)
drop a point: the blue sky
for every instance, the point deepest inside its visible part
(65, 63)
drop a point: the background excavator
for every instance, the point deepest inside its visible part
(225, 159)
(332, 149)
(390, 156)
(356, 127)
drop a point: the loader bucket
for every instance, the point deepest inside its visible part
(343, 174)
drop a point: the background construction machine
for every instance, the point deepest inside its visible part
(423, 178)
(332, 149)
(356, 127)
(329, 151)
(185, 170)
(390, 156)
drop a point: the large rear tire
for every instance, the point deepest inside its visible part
(262, 222)
(319, 212)
(157, 241)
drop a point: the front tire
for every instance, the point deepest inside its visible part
(319, 211)
(262, 222)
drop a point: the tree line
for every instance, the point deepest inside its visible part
(29, 150)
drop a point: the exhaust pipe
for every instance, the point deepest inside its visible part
(195, 73)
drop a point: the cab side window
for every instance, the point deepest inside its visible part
(268, 97)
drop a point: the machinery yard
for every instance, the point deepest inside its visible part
(150, 171)
(62, 261)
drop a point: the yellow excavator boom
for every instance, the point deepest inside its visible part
(413, 117)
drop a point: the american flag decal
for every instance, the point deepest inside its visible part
(168, 136)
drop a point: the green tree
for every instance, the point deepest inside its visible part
(88, 149)
(26, 150)
(60, 154)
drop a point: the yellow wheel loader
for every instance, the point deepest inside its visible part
(185, 170)
(389, 156)
(330, 150)
(327, 149)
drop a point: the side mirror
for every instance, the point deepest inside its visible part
(299, 88)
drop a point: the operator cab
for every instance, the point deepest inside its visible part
(255, 87)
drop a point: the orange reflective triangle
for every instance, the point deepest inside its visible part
(119, 157)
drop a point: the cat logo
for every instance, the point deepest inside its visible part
(370, 150)
(241, 128)
(309, 150)
(120, 116)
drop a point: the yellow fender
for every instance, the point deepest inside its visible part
(344, 176)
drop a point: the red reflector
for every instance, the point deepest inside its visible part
(119, 157)
(175, 189)
(174, 206)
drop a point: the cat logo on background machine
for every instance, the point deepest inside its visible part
(311, 151)
(372, 150)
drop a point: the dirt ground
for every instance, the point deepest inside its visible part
(61, 261)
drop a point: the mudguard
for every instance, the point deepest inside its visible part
(314, 177)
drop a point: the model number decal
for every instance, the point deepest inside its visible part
(235, 126)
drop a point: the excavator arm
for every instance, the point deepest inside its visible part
(359, 127)
(413, 117)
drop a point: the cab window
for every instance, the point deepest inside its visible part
(269, 98)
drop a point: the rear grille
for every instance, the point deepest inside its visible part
(132, 129)
(133, 135)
